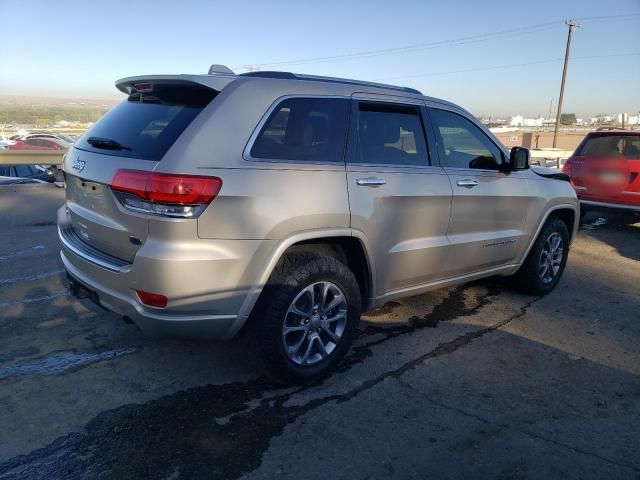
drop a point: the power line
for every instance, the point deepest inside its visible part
(511, 65)
(419, 46)
(433, 45)
(608, 17)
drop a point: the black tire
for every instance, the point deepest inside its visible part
(528, 278)
(583, 213)
(295, 272)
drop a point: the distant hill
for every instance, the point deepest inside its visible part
(33, 101)
(46, 111)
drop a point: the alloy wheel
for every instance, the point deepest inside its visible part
(314, 323)
(551, 258)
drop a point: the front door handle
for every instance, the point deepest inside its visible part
(371, 181)
(467, 183)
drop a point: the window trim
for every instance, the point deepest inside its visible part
(481, 127)
(246, 152)
(354, 133)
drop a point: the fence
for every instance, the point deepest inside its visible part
(23, 157)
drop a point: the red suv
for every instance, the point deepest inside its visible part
(605, 171)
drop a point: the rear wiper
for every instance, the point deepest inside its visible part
(106, 143)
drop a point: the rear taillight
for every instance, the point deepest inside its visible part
(566, 168)
(152, 299)
(183, 196)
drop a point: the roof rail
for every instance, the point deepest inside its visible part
(315, 78)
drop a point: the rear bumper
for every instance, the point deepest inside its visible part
(205, 282)
(590, 204)
(175, 325)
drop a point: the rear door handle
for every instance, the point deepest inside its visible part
(467, 183)
(371, 181)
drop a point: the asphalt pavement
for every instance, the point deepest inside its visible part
(475, 381)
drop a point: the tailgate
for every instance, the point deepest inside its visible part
(95, 214)
(135, 136)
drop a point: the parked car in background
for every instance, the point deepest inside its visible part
(605, 172)
(39, 142)
(36, 172)
(18, 180)
(293, 203)
(4, 142)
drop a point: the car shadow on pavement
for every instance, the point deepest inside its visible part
(140, 407)
(461, 412)
(611, 229)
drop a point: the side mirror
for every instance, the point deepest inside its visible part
(519, 158)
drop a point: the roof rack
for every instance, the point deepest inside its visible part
(315, 78)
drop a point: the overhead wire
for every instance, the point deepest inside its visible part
(483, 37)
(512, 65)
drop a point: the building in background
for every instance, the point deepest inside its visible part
(520, 121)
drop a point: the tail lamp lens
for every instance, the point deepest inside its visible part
(164, 194)
(152, 299)
(567, 169)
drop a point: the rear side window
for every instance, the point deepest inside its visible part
(462, 144)
(305, 129)
(618, 146)
(391, 134)
(148, 123)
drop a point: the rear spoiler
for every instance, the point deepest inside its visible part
(215, 82)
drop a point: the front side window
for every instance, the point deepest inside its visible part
(304, 129)
(35, 142)
(462, 144)
(391, 134)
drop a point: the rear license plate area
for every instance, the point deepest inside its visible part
(611, 177)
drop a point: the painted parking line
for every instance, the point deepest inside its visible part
(30, 278)
(45, 298)
(58, 363)
(20, 253)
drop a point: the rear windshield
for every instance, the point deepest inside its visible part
(146, 124)
(616, 146)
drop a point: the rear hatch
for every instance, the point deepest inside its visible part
(606, 168)
(135, 135)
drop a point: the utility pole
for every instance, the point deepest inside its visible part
(571, 24)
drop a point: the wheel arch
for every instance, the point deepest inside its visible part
(568, 216)
(347, 245)
(568, 213)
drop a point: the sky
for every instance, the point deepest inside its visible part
(492, 57)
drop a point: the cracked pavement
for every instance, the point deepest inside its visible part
(473, 381)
